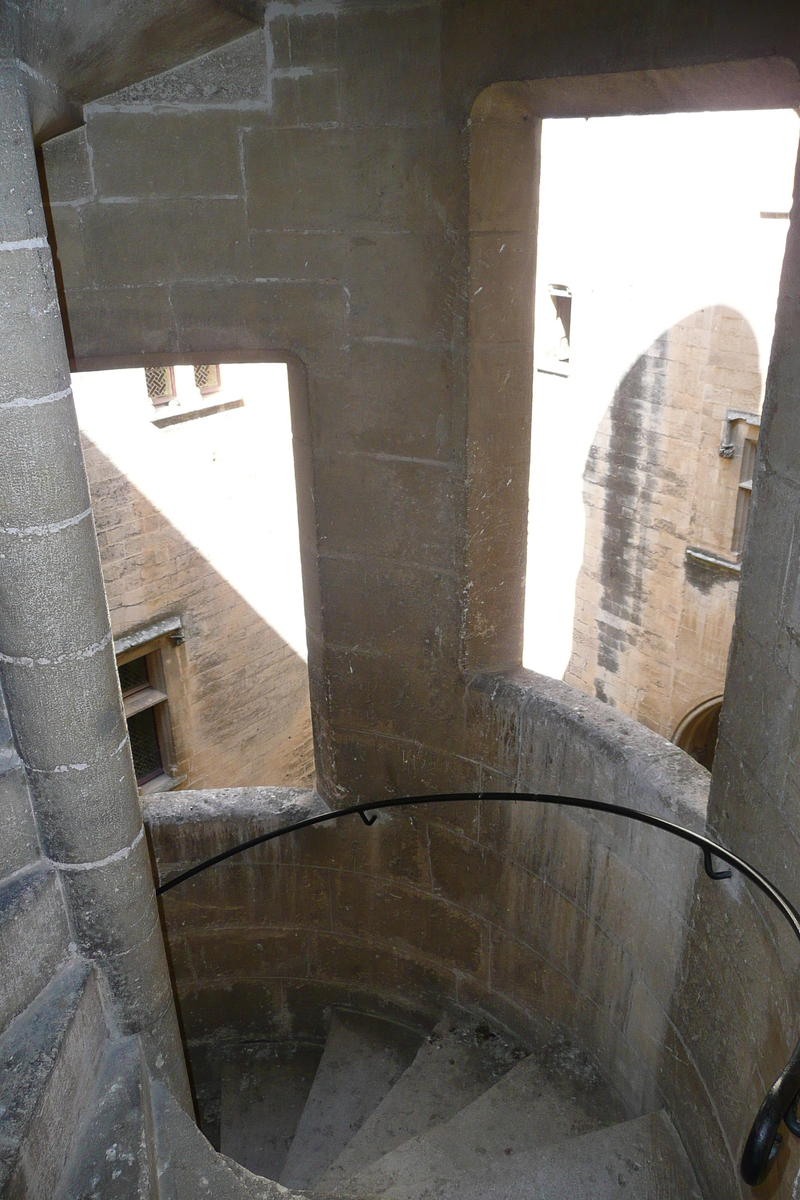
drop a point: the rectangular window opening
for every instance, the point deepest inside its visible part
(197, 522)
(650, 352)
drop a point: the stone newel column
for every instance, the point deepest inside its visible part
(56, 652)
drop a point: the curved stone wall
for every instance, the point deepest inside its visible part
(551, 922)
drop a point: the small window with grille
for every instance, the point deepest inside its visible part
(146, 706)
(207, 379)
(744, 493)
(160, 384)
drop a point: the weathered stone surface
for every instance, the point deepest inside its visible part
(50, 1057)
(34, 935)
(68, 168)
(362, 1061)
(453, 1066)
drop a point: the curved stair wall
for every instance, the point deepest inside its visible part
(550, 922)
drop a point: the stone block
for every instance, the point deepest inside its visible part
(278, 34)
(504, 174)
(298, 256)
(33, 434)
(227, 75)
(158, 243)
(121, 321)
(437, 930)
(252, 954)
(353, 180)
(34, 356)
(697, 1118)
(19, 840)
(381, 973)
(258, 316)
(21, 219)
(393, 508)
(317, 98)
(458, 816)
(308, 99)
(401, 287)
(376, 692)
(143, 155)
(313, 38)
(499, 419)
(367, 767)
(406, 42)
(471, 876)
(34, 933)
(394, 399)
(415, 616)
(501, 276)
(252, 893)
(69, 249)
(242, 1008)
(393, 848)
(68, 169)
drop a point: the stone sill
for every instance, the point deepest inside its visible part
(162, 783)
(714, 558)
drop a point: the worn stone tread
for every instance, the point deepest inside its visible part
(33, 936)
(455, 1065)
(187, 1165)
(363, 1059)
(641, 1159)
(257, 1186)
(110, 1159)
(542, 1100)
(263, 1092)
(49, 1059)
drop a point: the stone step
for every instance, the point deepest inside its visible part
(641, 1159)
(257, 1186)
(34, 936)
(363, 1059)
(544, 1099)
(49, 1062)
(187, 1165)
(263, 1092)
(455, 1065)
(636, 1160)
(110, 1158)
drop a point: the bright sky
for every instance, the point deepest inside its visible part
(226, 481)
(646, 220)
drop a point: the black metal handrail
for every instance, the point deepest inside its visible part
(781, 1101)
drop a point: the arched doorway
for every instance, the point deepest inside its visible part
(697, 732)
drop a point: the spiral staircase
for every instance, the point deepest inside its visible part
(381, 1110)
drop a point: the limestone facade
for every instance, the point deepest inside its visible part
(196, 523)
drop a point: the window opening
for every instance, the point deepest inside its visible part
(146, 706)
(207, 379)
(200, 518)
(160, 384)
(745, 491)
(554, 342)
(698, 732)
(638, 509)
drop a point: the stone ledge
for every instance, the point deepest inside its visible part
(660, 777)
(243, 803)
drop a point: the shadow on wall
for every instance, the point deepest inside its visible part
(237, 692)
(656, 592)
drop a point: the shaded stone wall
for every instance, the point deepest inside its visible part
(273, 191)
(305, 190)
(754, 797)
(548, 922)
